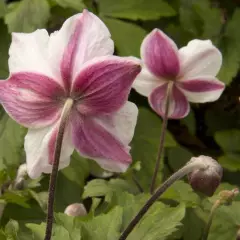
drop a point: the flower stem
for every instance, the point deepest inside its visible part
(179, 174)
(162, 138)
(53, 179)
(210, 218)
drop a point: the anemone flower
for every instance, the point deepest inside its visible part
(187, 74)
(73, 65)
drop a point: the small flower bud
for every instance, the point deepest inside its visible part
(206, 180)
(20, 178)
(226, 197)
(238, 235)
(75, 209)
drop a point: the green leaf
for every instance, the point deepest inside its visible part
(71, 181)
(190, 121)
(178, 157)
(11, 229)
(230, 161)
(4, 46)
(100, 187)
(105, 226)
(230, 47)
(225, 222)
(11, 142)
(3, 8)
(136, 9)
(38, 230)
(195, 17)
(158, 224)
(182, 193)
(16, 197)
(145, 145)
(229, 140)
(127, 36)
(75, 4)
(27, 15)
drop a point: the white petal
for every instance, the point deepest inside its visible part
(37, 146)
(93, 40)
(29, 53)
(122, 123)
(199, 58)
(146, 82)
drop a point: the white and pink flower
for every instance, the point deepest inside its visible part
(75, 63)
(189, 72)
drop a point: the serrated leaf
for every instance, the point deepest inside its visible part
(100, 187)
(105, 226)
(27, 15)
(75, 4)
(127, 36)
(145, 145)
(136, 9)
(158, 224)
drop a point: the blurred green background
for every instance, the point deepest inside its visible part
(211, 129)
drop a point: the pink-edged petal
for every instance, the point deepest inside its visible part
(32, 100)
(199, 58)
(146, 82)
(92, 140)
(178, 107)
(103, 84)
(81, 38)
(202, 89)
(29, 53)
(39, 146)
(160, 54)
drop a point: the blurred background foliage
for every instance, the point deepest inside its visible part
(211, 129)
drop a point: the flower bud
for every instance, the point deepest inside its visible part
(206, 180)
(238, 235)
(75, 209)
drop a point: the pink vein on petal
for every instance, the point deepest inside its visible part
(31, 99)
(70, 53)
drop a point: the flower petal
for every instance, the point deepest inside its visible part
(201, 89)
(178, 107)
(146, 82)
(29, 53)
(122, 123)
(93, 141)
(104, 83)
(39, 146)
(31, 99)
(199, 58)
(81, 38)
(160, 54)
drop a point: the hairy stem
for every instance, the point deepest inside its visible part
(162, 139)
(179, 174)
(53, 179)
(210, 218)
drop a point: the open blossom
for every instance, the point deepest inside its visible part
(188, 74)
(76, 64)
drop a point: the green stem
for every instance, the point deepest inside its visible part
(53, 179)
(162, 138)
(210, 218)
(179, 174)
